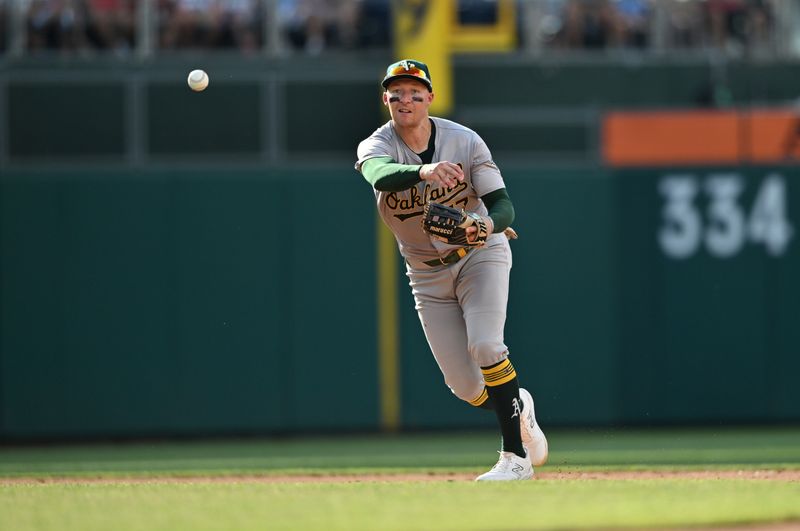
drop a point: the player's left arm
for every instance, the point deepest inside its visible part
(501, 209)
(499, 218)
(486, 176)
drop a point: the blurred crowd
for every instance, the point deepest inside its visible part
(76, 24)
(315, 26)
(728, 25)
(113, 25)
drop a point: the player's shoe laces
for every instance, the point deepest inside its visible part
(510, 467)
(532, 435)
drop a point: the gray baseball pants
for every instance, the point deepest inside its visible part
(462, 308)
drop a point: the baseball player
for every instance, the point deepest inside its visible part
(419, 167)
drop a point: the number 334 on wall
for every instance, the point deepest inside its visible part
(724, 225)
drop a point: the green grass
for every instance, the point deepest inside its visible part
(202, 504)
(395, 506)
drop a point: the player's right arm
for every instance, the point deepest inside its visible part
(386, 175)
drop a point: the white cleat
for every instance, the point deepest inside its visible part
(532, 435)
(510, 467)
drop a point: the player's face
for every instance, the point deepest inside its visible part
(408, 101)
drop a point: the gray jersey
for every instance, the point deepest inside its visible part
(402, 211)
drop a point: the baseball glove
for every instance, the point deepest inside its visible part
(450, 224)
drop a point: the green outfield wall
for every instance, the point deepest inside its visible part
(710, 294)
(170, 303)
(178, 302)
(180, 263)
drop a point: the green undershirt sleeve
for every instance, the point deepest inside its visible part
(501, 210)
(386, 175)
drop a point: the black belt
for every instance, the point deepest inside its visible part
(451, 258)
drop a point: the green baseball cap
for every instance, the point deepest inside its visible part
(408, 68)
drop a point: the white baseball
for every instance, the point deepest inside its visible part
(198, 80)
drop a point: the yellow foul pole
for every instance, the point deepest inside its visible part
(388, 335)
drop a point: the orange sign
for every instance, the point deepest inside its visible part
(657, 138)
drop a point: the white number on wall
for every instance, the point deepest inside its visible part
(724, 228)
(680, 234)
(768, 221)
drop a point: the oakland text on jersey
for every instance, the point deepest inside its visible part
(411, 199)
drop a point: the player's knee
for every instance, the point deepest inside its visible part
(487, 353)
(465, 390)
